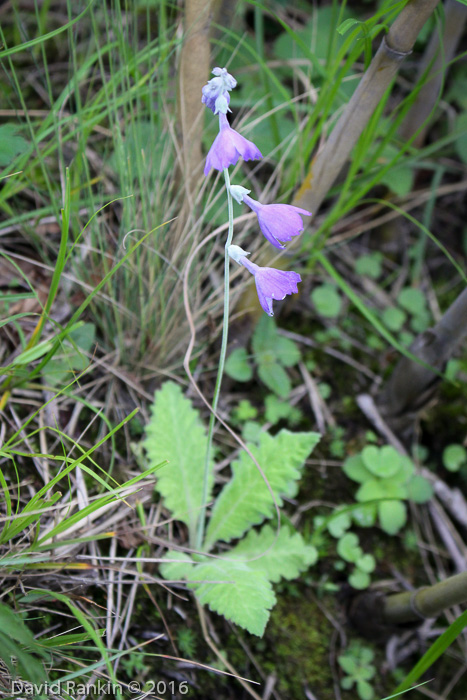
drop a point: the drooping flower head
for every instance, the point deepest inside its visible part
(278, 222)
(216, 93)
(271, 284)
(228, 147)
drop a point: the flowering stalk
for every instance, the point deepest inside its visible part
(220, 371)
(278, 222)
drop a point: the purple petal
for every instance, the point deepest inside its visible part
(272, 284)
(227, 148)
(280, 222)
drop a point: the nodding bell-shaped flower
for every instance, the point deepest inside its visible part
(271, 284)
(216, 93)
(278, 222)
(228, 147)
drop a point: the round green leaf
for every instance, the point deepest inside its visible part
(359, 579)
(348, 547)
(412, 300)
(366, 563)
(326, 300)
(371, 490)
(383, 462)
(454, 456)
(286, 351)
(393, 318)
(339, 524)
(419, 489)
(370, 455)
(406, 470)
(276, 378)
(355, 469)
(238, 367)
(421, 322)
(392, 516)
(369, 265)
(365, 516)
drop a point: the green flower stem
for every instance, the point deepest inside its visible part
(220, 371)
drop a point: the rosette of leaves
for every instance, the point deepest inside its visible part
(236, 583)
(272, 355)
(386, 476)
(356, 663)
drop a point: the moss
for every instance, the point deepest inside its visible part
(297, 648)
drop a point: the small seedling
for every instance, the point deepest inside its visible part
(356, 664)
(388, 477)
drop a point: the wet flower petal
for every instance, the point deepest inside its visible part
(278, 222)
(271, 284)
(228, 147)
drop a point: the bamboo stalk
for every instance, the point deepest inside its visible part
(410, 380)
(437, 55)
(394, 48)
(425, 602)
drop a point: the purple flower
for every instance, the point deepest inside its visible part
(278, 222)
(271, 284)
(227, 148)
(216, 93)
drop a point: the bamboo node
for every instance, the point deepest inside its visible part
(413, 604)
(395, 53)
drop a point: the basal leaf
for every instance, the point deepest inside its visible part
(284, 557)
(177, 566)
(245, 500)
(236, 591)
(175, 433)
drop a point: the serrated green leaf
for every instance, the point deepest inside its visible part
(238, 365)
(392, 516)
(236, 591)
(276, 378)
(245, 500)
(283, 557)
(175, 433)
